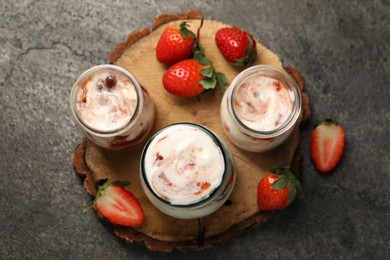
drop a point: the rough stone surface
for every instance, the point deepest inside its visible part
(340, 47)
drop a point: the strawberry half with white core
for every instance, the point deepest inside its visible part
(118, 205)
(327, 143)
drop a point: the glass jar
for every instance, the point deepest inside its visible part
(111, 107)
(186, 171)
(260, 108)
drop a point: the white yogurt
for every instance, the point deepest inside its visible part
(106, 108)
(187, 171)
(111, 107)
(260, 108)
(262, 103)
(184, 165)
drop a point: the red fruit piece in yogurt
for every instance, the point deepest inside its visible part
(277, 85)
(110, 81)
(203, 186)
(159, 157)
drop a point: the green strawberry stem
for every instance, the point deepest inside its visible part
(211, 77)
(326, 120)
(198, 31)
(102, 185)
(184, 32)
(87, 207)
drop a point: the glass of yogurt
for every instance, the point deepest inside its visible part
(186, 171)
(260, 108)
(111, 107)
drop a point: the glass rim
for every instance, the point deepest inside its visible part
(73, 96)
(213, 194)
(272, 72)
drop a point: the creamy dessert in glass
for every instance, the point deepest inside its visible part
(111, 107)
(186, 171)
(260, 108)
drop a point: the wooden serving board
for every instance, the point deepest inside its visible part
(159, 231)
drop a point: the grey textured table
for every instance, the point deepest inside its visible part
(342, 50)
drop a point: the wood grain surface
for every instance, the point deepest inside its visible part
(159, 231)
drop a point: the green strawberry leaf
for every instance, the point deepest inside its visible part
(292, 192)
(298, 186)
(209, 83)
(208, 72)
(250, 41)
(198, 48)
(280, 183)
(238, 63)
(201, 58)
(184, 32)
(222, 81)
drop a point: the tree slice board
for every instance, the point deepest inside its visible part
(159, 231)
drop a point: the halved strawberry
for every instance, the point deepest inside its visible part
(118, 205)
(327, 143)
(277, 189)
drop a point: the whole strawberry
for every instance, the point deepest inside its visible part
(183, 78)
(277, 189)
(175, 44)
(118, 205)
(190, 77)
(237, 46)
(327, 143)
